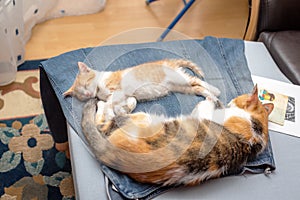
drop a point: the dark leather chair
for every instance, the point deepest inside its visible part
(276, 23)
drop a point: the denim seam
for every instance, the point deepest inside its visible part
(86, 59)
(233, 79)
(184, 51)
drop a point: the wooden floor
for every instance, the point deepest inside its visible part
(218, 18)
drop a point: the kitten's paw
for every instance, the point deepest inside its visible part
(200, 91)
(131, 103)
(211, 89)
(215, 90)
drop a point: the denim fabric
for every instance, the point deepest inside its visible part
(222, 61)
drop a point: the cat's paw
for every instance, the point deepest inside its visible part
(219, 104)
(214, 90)
(211, 89)
(107, 127)
(104, 128)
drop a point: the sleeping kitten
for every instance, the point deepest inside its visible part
(123, 88)
(187, 150)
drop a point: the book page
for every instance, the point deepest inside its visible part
(285, 96)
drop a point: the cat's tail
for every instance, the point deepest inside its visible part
(117, 158)
(190, 65)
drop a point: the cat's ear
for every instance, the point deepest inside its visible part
(269, 107)
(69, 92)
(253, 97)
(83, 68)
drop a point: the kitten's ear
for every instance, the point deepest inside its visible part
(69, 92)
(253, 97)
(269, 107)
(83, 68)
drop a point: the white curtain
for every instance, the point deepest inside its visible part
(18, 17)
(11, 39)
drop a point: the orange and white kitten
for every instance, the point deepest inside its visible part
(186, 150)
(148, 81)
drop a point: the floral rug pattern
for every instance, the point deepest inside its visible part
(30, 166)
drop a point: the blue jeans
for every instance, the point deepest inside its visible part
(222, 61)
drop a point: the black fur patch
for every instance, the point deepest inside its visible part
(257, 126)
(255, 149)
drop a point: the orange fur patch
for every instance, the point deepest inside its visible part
(114, 80)
(239, 126)
(158, 176)
(150, 72)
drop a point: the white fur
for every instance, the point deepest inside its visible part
(129, 84)
(177, 76)
(141, 89)
(236, 112)
(100, 111)
(206, 110)
(131, 102)
(100, 80)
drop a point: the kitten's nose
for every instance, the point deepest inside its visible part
(88, 94)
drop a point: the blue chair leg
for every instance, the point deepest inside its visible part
(149, 1)
(177, 18)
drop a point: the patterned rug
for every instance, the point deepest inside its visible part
(30, 165)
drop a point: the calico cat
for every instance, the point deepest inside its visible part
(148, 81)
(186, 150)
